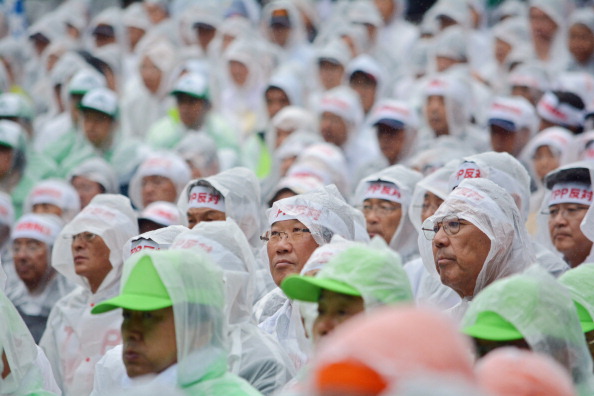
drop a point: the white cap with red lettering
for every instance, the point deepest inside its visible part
(161, 212)
(41, 227)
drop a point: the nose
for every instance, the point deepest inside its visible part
(324, 325)
(284, 245)
(132, 328)
(441, 238)
(371, 217)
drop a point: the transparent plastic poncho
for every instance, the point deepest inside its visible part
(404, 239)
(494, 212)
(195, 286)
(579, 281)
(325, 213)
(543, 312)
(241, 190)
(253, 355)
(26, 377)
(160, 239)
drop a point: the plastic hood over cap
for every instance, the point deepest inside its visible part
(580, 283)
(324, 212)
(399, 343)
(165, 164)
(375, 272)
(162, 213)
(511, 371)
(41, 227)
(549, 108)
(195, 287)
(323, 254)
(56, 192)
(405, 179)
(160, 239)
(502, 169)
(290, 118)
(513, 113)
(84, 81)
(543, 312)
(16, 342)
(109, 216)
(99, 171)
(241, 190)
(456, 94)
(491, 209)
(345, 103)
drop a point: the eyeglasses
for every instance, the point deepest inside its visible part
(29, 247)
(384, 209)
(276, 236)
(83, 236)
(571, 212)
(450, 223)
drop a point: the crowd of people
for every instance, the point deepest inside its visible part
(297, 197)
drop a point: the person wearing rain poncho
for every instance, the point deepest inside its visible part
(253, 355)
(475, 237)
(24, 369)
(53, 196)
(93, 177)
(298, 225)
(578, 282)
(565, 212)
(182, 343)
(384, 198)
(39, 286)
(88, 252)
(103, 139)
(161, 177)
(548, 24)
(532, 311)
(581, 40)
(510, 174)
(359, 278)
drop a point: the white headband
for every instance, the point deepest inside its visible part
(571, 192)
(383, 190)
(550, 109)
(143, 244)
(466, 170)
(206, 197)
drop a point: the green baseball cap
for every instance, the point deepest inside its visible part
(491, 326)
(144, 291)
(309, 288)
(585, 317)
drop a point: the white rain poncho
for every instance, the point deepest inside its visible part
(35, 305)
(56, 192)
(99, 171)
(195, 286)
(557, 55)
(295, 184)
(426, 286)
(404, 240)
(200, 152)
(323, 161)
(253, 355)
(367, 64)
(508, 173)
(325, 213)
(583, 17)
(578, 282)
(30, 373)
(290, 118)
(579, 148)
(241, 190)
(493, 211)
(164, 164)
(344, 102)
(160, 239)
(580, 172)
(543, 312)
(74, 339)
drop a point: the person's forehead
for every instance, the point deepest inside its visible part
(156, 178)
(379, 201)
(202, 211)
(23, 241)
(287, 223)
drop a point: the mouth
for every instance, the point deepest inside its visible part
(443, 261)
(130, 355)
(283, 264)
(79, 259)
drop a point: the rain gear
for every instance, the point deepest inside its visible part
(30, 372)
(527, 300)
(253, 355)
(75, 340)
(196, 289)
(491, 209)
(583, 17)
(404, 240)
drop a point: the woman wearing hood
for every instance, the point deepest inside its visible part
(385, 198)
(88, 252)
(581, 40)
(475, 237)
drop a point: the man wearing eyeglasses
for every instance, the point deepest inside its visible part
(569, 201)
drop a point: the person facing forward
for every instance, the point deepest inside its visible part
(173, 327)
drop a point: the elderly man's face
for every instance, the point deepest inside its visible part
(459, 258)
(197, 215)
(30, 261)
(382, 217)
(288, 255)
(91, 258)
(157, 188)
(149, 341)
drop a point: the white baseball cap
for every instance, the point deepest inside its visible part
(161, 212)
(100, 99)
(192, 84)
(11, 134)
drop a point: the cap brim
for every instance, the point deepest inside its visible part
(492, 333)
(392, 123)
(505, 124)
(176, 92)
(82, 108)
(132, 302)
(309, 288)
